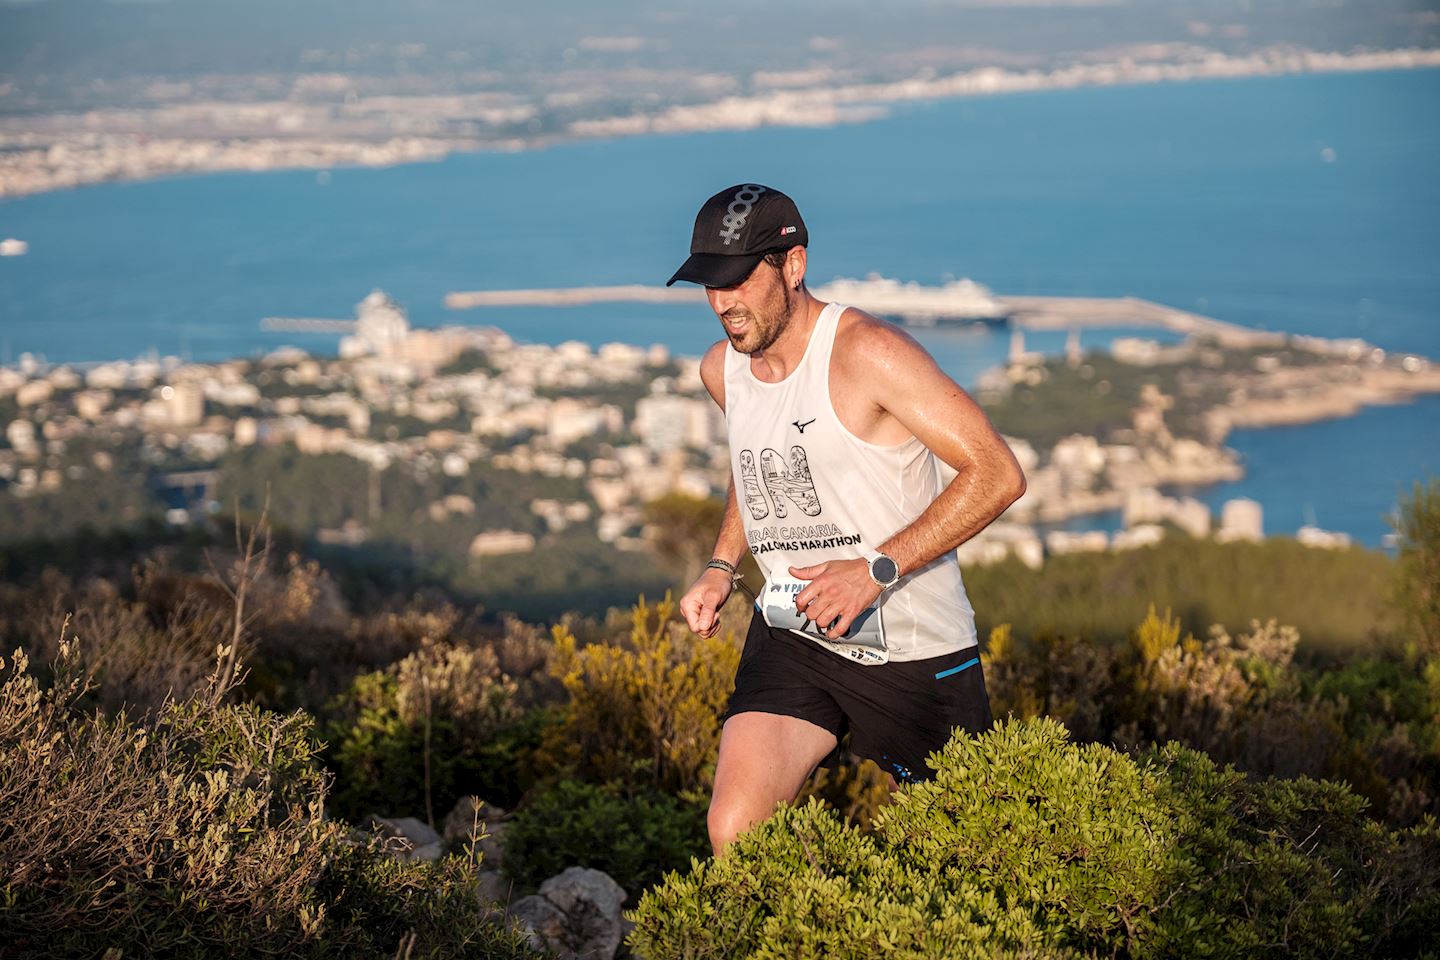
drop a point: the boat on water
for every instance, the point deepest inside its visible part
(10, 247)
(954, 302)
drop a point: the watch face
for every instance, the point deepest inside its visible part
(883, 570)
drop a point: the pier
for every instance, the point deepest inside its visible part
(1070, 313)
(954, 303)
(307, 325)
(573, 296)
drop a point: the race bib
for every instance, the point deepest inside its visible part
(864, 642)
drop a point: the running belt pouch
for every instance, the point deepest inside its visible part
(864, 641)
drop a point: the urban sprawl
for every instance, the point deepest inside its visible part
(455, 397)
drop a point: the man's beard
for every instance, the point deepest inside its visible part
(764, 330)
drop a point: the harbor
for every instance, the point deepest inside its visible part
(956, 302)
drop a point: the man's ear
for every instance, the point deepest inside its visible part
(795, 267)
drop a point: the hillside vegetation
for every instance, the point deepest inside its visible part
(183, 755)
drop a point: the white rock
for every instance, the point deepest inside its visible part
(540, 920)
(576, 915)
(430, 852)
(493, 887)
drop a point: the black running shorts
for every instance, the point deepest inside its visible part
(896, 713)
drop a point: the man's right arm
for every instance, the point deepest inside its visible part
(702, 602)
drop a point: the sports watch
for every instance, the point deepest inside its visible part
(883, 570)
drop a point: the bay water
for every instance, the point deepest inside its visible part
(1305, 204)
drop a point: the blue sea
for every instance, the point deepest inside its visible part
(1307, 204)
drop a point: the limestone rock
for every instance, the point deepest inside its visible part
(541, 920)
(493, 887)
(576, 915)
(430, 852)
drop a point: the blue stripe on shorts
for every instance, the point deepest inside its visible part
(953, 670)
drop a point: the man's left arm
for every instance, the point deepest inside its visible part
(934, 408)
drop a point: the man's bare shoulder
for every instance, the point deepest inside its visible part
(712, 370)
(866, 346)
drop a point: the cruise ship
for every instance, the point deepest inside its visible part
(954, 302)
(949, 304)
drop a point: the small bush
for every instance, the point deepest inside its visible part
(438, 725)
(196, 833)
(1054, 675)
(1373, 722)
(129, 658)
(635, 837)
(1239, 699)
(1025, 844)
(647, 710)
(1287, 868)
(1416, 591)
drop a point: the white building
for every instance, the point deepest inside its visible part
(21, 434)
(247, 431)
(90, 404)
(34, 392)
(1003, 539)
(1065, 541)
(493, 543)
(1312, 536)
(1143, 535)
(184, 403)
(1241, 519)
(1146, 505)
(668, 422)
(381, 327)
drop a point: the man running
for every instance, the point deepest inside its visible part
(835, 423)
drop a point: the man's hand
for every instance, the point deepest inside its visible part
(702, 602)
(838, 592)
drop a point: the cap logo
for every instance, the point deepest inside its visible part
(786, 231)
(739, 211)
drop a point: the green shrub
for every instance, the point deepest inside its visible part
(440, 724)
(1373, 722)
(1239, 698)
(1052, 675)
(1025, 844)
(1288, 867)
(1416, 592)
(648, 709)
(196, 833)
(377, 756)
(635, 837)
(1337, 599)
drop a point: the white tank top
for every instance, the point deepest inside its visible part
(809, 490)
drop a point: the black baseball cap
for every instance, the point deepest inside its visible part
(735, 229)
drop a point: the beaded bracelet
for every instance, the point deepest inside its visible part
(717, 564)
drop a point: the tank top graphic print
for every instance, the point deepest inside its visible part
(809, 491)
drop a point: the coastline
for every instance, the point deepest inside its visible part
(48, 154)
(1142, 469)
(1378, 388)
